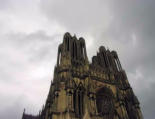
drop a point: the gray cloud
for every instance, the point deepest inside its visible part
(27, 65)
(77, 15)
(125, 26)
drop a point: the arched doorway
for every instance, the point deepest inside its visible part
(104, 102)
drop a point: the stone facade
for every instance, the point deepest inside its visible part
(84, 90)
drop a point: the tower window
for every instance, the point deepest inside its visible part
(78, 98)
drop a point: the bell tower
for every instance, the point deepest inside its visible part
(83, 90)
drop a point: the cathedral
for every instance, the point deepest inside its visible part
(88, 90)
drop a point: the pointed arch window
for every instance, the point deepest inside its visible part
(78, 99)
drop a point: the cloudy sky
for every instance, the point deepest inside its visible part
(30, 31)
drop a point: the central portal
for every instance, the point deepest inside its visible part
(104, 102)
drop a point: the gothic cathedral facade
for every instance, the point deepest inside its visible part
(84, 90)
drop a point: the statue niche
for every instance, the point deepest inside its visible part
(104, 102)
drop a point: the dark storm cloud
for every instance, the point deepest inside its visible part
(83, 15)
(127, 26)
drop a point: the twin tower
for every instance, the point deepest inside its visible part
(84, 90)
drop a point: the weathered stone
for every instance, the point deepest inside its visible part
(83, 90)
